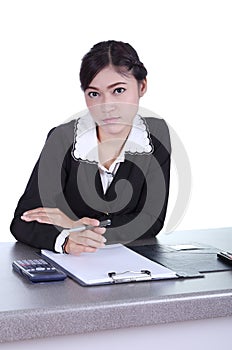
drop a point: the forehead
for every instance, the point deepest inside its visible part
(108, 76)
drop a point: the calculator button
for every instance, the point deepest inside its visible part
(37, 262)
(24, 262)
(40, 268)
(43, 262)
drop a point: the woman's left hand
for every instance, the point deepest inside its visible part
(52, 216)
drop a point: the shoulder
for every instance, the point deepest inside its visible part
(156, 125)
(159, 131)
(65, 129)
(60, 137)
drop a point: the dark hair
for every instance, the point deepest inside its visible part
(117, 53)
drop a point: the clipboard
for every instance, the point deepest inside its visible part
(110, 265)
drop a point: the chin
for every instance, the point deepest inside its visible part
(114, 128)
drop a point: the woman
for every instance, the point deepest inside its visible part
(111, 163)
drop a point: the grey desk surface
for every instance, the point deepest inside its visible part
(30, 311)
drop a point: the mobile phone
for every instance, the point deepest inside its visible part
(225, 256)
(38, 270)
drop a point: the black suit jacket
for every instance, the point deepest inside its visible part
(136, 200)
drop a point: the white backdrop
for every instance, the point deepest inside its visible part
(186, 47)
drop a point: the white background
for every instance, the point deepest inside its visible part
(186, 47)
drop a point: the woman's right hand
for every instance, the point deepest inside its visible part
(87, 240)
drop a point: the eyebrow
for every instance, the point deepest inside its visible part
(108, 87)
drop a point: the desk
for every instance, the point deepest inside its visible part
(162, 312)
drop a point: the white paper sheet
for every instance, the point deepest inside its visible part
(93, 268)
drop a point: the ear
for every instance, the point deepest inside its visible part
(142, 87)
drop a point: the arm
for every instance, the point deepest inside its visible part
(38, 221)
(43, 189)
(36, 234)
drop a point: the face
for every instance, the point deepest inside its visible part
(113, 99)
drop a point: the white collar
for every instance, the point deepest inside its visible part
(85, 146)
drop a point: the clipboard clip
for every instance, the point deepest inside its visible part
(130, 276)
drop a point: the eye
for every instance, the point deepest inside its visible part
(93, 94)
(119, 90)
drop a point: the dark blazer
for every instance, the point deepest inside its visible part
(136, 200)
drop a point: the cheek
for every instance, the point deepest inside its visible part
(95, 111)
(92, 106)
(89, 102)
(128, 110)
(132, 97)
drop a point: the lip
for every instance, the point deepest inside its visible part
(111, 120)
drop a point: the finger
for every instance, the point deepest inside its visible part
(88, 238)
(42, 218)
(91, 234)
(38, 219)
(34, 211)
(34, 215)
(89, 221)
(99, 230)
(87, 242)
(77, 249)
(41, 214)
(42, 210)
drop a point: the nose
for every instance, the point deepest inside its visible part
(107, 105)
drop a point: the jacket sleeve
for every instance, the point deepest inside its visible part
(43, 190)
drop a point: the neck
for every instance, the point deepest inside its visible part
(109, 150)
(103, 135)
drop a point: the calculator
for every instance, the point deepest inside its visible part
(38, 270)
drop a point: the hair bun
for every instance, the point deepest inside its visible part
(137, 63)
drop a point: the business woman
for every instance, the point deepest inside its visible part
(108, 163)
